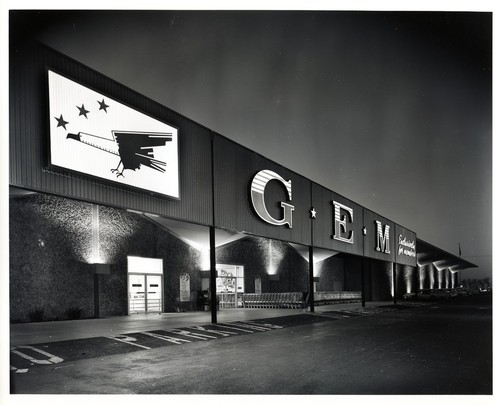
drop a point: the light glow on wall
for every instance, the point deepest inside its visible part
(317, 267)
(391, 280)
(408, 278)
(454, 278)
(272, 255)
(96, 257)
(271, 268)
(440, 265)
(205, 259)
(432, 278)
(421, 276)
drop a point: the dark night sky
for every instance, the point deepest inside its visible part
(392, 110)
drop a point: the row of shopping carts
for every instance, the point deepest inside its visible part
(274, 300)
(333, 297)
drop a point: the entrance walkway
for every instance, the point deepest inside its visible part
(46, 332)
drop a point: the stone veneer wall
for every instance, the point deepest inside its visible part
(378, 280)
(259, 255)
(331, 274)
(123, 234)
(50, 240)
(407, 280)
(353, 266)
(51, 247)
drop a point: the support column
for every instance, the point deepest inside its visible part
(213, 276)
(394, 283)
(363, 298)
(97, 313)
(311, 279)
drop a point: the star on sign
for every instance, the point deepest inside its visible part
(313, 213)
(61, 122)
(103, 106)
(83, 111)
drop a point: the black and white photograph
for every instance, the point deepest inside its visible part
(255, 202)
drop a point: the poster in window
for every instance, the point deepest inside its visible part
(185, 291)
(258, 285)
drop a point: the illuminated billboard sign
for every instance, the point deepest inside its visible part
(98, 136)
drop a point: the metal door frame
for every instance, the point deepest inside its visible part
(236, 292)
(162, 291)
(145, 275)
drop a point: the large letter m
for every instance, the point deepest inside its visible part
(382, 238)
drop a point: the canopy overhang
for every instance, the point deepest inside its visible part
(427, 254)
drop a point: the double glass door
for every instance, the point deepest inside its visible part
(145, 293)
(228, 292)
(230, 284)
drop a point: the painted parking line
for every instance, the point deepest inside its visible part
(194, 335)
(27, 353)
(22, 358)
(128, 340)
(18, 370)
(70, 350)
(25, 357)
(165, 338)
(213, 330)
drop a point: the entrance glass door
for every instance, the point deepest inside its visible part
(136, 293)
(153, 284)
(230, 283)
(227, 289)
(145, 282)
(144, 293)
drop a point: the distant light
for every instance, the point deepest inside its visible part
(408, 277)
(205, 259)
(135, 211)
(391, 280)
(271, 269)
(421, 276)
(317, 267)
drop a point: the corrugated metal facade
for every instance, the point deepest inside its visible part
(371, 239)
(29, 141)
(324, 223)
(234, 169)
(211, 193)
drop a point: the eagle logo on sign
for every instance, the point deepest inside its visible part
(135, 149)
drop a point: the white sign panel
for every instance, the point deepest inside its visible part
(96, 135)
(258, 285)
(144, 265)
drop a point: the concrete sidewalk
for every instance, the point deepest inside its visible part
(45, 332)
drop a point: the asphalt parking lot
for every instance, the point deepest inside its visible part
(437, 348)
